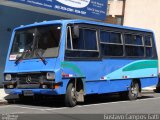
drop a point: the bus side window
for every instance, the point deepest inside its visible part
(111, 44)
(134, 45)
(87, 40)
(148, 46)
(84, 46)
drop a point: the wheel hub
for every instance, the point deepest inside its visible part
(134, 91)
(73, 94)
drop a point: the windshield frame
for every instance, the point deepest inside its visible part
(31, 27)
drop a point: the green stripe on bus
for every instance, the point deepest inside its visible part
(142, 65)
(72, 67)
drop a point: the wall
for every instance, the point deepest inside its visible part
(11, 18)
(115, 7)
(88, 9)
(115, 13)
(144, 14)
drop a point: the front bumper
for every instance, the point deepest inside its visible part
(60, 90)
(50, 84)
(35, 91)
(35, 88)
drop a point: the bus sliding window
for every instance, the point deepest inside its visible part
(86, 46)
(148, 46)
(111, 43)
(134, 46)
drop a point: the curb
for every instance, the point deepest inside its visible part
(147, 91)
(3, 102)
(150, 89)
(2, 97)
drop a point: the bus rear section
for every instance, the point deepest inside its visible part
(111, 59)
(76, 58)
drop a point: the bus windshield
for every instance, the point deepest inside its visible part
(36, 41)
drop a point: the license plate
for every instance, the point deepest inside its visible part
(28, 93)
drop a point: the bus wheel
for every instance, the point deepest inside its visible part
(71, 96)
(21, 98)
(134, 91)
(11, 101)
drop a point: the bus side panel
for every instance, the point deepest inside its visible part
(115, 86)
(111, 75)
(145, 82)
(111, 69)
(101, 87)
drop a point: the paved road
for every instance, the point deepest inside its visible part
(149, 103)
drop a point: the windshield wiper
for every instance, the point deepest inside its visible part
(35, 40)
(21, 57)
(41, 57)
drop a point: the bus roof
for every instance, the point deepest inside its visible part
(82, 21)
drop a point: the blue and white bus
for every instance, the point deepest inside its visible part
(76, 58)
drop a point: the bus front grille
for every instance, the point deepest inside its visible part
(29, 79)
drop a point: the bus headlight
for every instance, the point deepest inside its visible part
(8, 77)
(50, 76)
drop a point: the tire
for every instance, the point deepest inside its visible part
(10, 101)
(157, 90)
(123, 95)
(70, 97)
(133, 91)
(21, 98)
